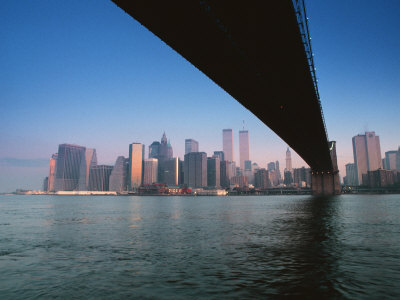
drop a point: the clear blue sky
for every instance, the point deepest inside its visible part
(84, 72)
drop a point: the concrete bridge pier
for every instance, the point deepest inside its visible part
(327, 182)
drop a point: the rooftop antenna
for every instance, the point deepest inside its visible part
(243, 125)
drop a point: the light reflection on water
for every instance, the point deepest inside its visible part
(199, 247)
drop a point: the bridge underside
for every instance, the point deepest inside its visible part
(254, 51)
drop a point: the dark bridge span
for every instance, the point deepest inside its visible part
(255, 51)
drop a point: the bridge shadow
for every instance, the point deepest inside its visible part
(302, 258)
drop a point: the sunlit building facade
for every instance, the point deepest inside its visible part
(52, 172)
(136, 157)
(150, 174)
(367, 155)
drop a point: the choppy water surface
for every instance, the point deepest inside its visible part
(199, 247)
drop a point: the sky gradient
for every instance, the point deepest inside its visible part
(86, 73)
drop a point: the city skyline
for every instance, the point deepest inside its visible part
(75, 89)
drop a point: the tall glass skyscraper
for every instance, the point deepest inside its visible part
(99, 178)
(191, 146)
(195, 169)
(367, 154)
(213, 172)
(68, 167)
(150, 172)
(136, 157)
(119, 175)
(227, 144)
(89, 162)
(243, 147)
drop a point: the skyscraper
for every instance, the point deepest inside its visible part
(351, 174)
(288, 161)
(195, 169)
(225, 173)
(227, 144)
(220, 154)
(89, 161)
(154, 150)
(119, 175)
(271, 166)
(213, 172)
(243, 147)
(52, 172)
(68, 166)
(150, 173)
(367, 154)
(278, 172)
(135, 165)
(391, 160)
(172, 170)
(191, 146)
(99, 177)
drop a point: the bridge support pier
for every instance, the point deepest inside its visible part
(325, 183)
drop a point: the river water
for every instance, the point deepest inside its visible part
(108, 247)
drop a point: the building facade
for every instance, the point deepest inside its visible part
(367, 154)
(68, 167)
(195, 169)
(89, 162)
(99, 178)
(136, 157)
(150, 171)
(227, 144)
(244, 147)
(191, 145)
(119, 175)
(213, 172)
(52, 172)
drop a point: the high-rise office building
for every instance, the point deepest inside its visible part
(99, 178)
(45, 184)
(261, 179)
(351, 174)
(213, 172)
(154, 150)
(288, 160)
(248, 171)
(89, 162)
(150, 172)
(225, 173)
(119, 175)
(243, 147)
(391, 160)
(367, 154)
(68, 167)
(52, 172)
(227, 144)
(195, 169)
(136, 157)
(271, 166)
(220, 154)
(191, 146)
(302, 177)
(278, 172)
(172, 170)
